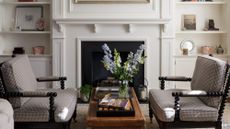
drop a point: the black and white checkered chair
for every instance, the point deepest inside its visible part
(200, 107)
(33, 107)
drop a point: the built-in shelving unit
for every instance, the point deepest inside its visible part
(11, 37)
(25, 3)
(30, 55)
(201, 32)
(218, 10)
(201, 3)
(25, 32)
(192, 56)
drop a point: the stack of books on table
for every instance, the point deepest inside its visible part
(111, 103)
(102, 91)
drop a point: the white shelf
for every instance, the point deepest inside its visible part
(201, 3)
(30, 55)
(25, 3)
(200, 32)
(195, 55)
(24, 32)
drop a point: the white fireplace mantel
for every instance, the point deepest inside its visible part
(110, 21)
(95, 22)
(73, 23)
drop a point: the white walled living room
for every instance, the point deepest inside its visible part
(63, 43)
(156, 22)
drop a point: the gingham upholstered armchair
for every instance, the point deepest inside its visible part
(201, 107)
(34, 108)
(6, 115)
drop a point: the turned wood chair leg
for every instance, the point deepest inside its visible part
(75, 115)
(219, 125)
(150, 113)
(162, 125)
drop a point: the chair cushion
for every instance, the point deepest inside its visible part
(192, 108)
(18, 76)
(6, 115)
(37, 109)
(209, 75)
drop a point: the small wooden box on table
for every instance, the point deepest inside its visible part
(131, 122)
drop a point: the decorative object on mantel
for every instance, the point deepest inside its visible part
(18, 50)
(27, 17)
(38, 50)
(187, 46)
(207, 50)
(124, 72)
(219, 50)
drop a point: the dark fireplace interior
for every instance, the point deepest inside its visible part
(93, 71)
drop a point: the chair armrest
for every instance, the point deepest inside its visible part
(29, 94)
(50, 78)
(172, 78)
(53, 78)
(197, 93)
(175, 78)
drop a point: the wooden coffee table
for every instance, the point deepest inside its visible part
(133, 122)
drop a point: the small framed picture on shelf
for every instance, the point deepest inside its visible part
(27, 17)
(189, 22)
(25, 0)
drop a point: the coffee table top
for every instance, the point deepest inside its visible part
(131, 121)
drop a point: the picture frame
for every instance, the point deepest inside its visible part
(26, 17)
(189, 22)
(109, 1)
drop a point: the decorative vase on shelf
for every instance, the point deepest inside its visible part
(219, 50)
(123, 89)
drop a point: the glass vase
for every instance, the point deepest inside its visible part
(123, 90)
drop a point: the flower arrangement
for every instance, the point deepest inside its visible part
(123, 71)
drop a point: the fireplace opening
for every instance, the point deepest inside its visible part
(93, 71)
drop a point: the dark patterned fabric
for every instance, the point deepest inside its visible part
(209, 75)
(9, 80)
(1, 87)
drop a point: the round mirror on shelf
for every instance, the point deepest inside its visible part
(187, 44)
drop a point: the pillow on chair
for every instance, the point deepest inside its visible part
(17, 78)
(209, 75)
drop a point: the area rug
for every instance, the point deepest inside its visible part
(83, 109)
